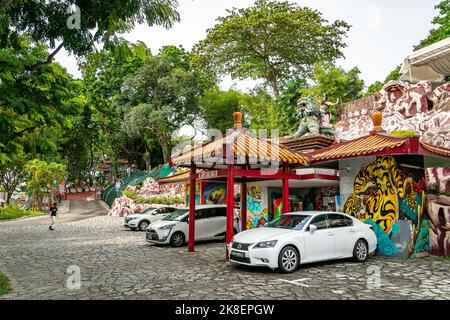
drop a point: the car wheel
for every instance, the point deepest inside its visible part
(177, 239)
(288, 260)
(143, 225)
(361, 251)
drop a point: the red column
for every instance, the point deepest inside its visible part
(192, 185)
(230, 207)
(244, 205)
(286, 206)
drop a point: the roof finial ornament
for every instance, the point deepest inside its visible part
(237, 117)
(377, 119)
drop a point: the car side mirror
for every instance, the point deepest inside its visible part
(312, 228)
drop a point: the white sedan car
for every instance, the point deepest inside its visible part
(303, 237)
(210, 224)
(143, 220)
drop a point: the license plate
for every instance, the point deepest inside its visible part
(238, 254)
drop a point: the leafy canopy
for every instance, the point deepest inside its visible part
(272, 40)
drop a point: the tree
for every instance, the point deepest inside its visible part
(43, 179)
(337, 84)
(104, 74)
(77, 29)
(272, 40)
(12, 173)
(441, 23)
(217, 108)
(259, 110)
(162, 96)
(33, 106)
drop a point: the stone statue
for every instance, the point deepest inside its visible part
(314, 118)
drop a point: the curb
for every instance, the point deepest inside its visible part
(104, 204)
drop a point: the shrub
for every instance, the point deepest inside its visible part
(130, 194)
(404, 133)
(159, 200)
(14, 211)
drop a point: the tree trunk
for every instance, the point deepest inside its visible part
(165, 144)
(272, 80)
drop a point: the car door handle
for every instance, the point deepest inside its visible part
(352, 230)
(330, 234)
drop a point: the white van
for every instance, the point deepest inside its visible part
(210, 223)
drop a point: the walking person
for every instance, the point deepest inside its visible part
(53, 213)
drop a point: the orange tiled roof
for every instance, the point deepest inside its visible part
(179, 177)
(244, 145)
(438, 150)
(359, 147)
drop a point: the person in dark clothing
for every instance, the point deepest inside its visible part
(53, 213)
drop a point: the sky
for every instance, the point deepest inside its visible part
(383, 32)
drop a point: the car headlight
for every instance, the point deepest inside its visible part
(168, 227)
(131, 219)
(266, 244)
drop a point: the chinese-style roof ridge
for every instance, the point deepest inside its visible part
(435, 149)
(244, 145)
(363, 146)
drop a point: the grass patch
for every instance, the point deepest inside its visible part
(14, 212)
(5, 286)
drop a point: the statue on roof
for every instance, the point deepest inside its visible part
(314, 117)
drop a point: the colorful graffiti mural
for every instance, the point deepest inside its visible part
(214, 193)
(384, 195)
(257, 215)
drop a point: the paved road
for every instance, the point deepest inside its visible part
(119, 264)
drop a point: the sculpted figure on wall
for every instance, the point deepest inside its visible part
(314, 117)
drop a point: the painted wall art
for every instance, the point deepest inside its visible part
(386, 196)
(214, 193)
(439, 213)
(257, 214)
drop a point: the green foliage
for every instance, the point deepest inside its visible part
(34, 107)
(130, 194)
(43, 178)
(259, 110)
(100, 21)
(12, 172)
(159, 200)
(217, 108)
(337, 84)
(442, 26)
(13, 211)
(161, 96)
(272, 40)
(404, 133)
(5, 286)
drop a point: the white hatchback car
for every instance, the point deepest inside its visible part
(210, 224)
(143, 220)
(303, 237)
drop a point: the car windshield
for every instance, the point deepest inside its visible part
(149, 211)
(295, 222)
(177, 215)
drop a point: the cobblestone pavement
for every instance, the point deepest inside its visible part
(119, 264)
